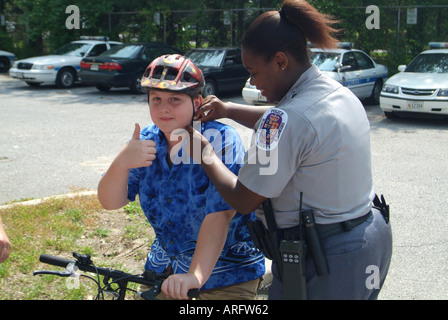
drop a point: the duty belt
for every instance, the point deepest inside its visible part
(327, 230)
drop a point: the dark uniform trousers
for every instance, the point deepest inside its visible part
(359, 261)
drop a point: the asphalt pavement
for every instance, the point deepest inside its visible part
(55, 141)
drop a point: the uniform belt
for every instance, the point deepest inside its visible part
(327, 230)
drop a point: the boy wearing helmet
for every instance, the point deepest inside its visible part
(199, 237)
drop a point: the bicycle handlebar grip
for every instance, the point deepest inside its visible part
(193, 293)
(55, 261)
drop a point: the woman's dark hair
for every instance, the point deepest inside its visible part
(288, 30)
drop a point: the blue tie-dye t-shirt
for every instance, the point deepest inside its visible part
(176, 200)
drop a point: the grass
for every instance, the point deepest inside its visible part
(59, 226)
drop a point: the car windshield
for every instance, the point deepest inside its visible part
(207, 58)
(73, 49)
(429, 63)
(325, 61)
(121, 51)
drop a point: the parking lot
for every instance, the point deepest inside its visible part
(53, 141)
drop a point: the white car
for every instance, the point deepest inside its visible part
(61, 68)
(420, 87)
(252, 95)
(350, 67)
(6, 60)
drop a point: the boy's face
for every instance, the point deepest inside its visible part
(171, 111)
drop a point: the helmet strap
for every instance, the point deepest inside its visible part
(194, 112)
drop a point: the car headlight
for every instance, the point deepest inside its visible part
(42, 67)
(388, 88)
(443, 93)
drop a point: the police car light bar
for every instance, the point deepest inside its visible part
(341, 45)
(438, 45)
(100, 38)
(346, 45)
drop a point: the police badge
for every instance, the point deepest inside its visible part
(271, 128)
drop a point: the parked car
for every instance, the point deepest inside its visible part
(222, 68)
(252, 95)
(122, 66)
(420, 87)
(62, 67)
(6, 60)
(352, 68)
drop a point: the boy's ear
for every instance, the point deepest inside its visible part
(197, 102)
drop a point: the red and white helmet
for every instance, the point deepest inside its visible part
(175, 73)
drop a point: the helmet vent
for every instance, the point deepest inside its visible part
(171, 74)
(189, 78)
(157, 73)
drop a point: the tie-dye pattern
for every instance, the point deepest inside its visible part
(176, 200)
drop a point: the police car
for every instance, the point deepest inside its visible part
(6, 60)
(62, 67)
(420, 87)
(352, 68)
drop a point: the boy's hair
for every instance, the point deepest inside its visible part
(174, 73)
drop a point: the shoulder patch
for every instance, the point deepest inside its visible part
(271, 128)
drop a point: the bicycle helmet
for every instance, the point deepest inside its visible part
(174, 73)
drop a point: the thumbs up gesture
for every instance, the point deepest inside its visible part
(137, 153)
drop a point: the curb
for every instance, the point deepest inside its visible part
(40, 200)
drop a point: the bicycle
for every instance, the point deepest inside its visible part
(84, 263)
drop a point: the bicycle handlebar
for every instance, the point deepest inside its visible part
(84, 263)
(114, 274)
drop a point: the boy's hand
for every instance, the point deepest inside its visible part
(137, 153)
(177, 285)
(5, 245)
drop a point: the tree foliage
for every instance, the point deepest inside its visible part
(187, 24)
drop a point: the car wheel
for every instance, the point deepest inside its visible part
(210, 88)
(136, 85)
(103, 88)
(375, 97)
(33, 84)
(66, 78)
(390, 115)
(4, 64)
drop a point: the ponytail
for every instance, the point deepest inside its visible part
(289, 30)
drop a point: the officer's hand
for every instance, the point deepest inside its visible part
(137, 153)
(177, 285)
(211, 109)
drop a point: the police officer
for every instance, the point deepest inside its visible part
(314, 143)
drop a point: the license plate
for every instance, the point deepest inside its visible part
(415, 105)
(94, 67)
